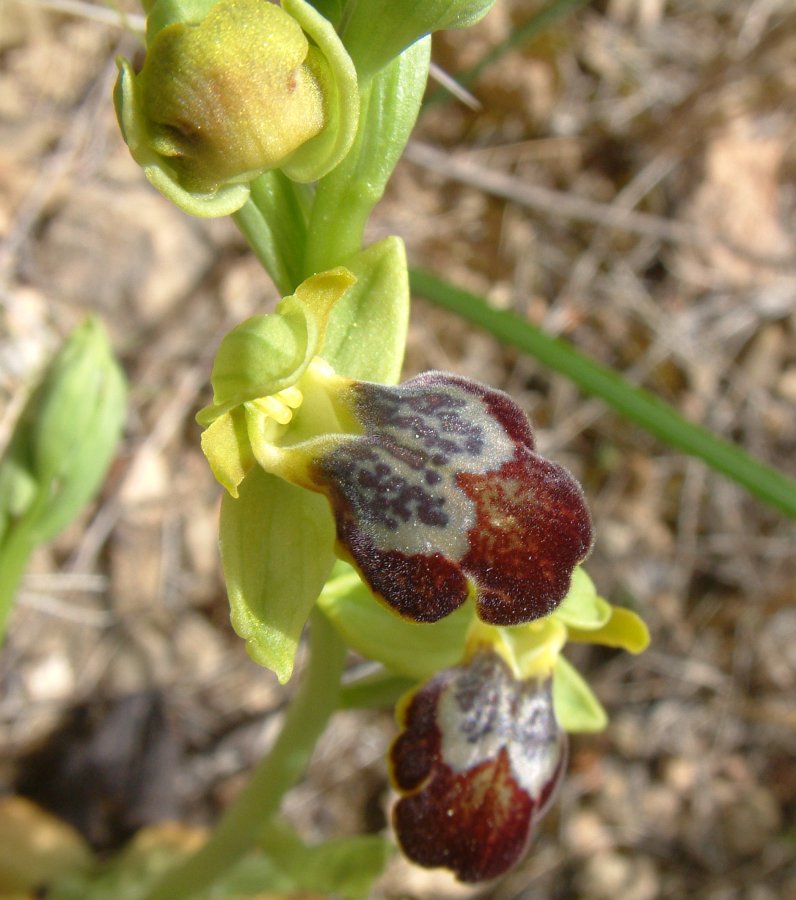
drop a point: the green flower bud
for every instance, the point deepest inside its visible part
(227, 94)
(377, 31)
(65, 437)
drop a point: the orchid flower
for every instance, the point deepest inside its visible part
(436, 488)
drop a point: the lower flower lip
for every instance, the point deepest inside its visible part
(443, 496)
(478, 763)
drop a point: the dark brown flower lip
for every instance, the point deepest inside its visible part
(444, 494)
(478, 763)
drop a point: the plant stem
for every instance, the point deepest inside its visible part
(14, 555)
(343, 202)
(243, 823)
(634, 403)
(255, 228)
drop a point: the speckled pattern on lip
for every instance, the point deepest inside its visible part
(478, 763)
(444, 493)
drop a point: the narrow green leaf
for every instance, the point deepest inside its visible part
(538, 23)
(634, 403)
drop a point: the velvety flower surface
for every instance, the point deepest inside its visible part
(478, 762)
(443, 495)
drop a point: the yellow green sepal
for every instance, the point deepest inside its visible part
(258, 364)
(276, 550)
(268, 353)
(577, 708)
(625, 630)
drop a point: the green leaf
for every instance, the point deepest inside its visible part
(66, 436)
(624, 630)
(576, 707)
(366, 334)
(277, 551)
(345, 867)
(582, 608)
(378, 31)
(636, 404)
(406, 648)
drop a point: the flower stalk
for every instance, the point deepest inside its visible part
(245, 821)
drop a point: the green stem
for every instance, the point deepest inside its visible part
(635, 404)
(345, 197)
(14, 555)
(255, 228)
(341, 208)
(243, 823)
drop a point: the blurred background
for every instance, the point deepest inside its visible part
(625, 177)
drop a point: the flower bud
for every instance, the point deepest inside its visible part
(242, 90)
(66, 435)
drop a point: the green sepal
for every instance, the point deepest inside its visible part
(225, 443)
(322, 153)
(268, 353)
(366, 332)
(201, 154)
(276, 551)
(406, 648)
(168, 12)
(625, 630)
(582, 608)
(378, 31)
(576, 707)
(223, 202)
(381, 690)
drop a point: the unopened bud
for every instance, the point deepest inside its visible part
(227, 94)
(66, 436)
